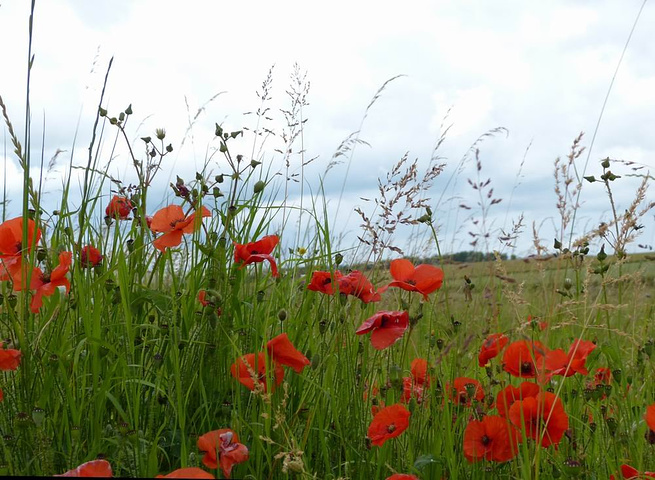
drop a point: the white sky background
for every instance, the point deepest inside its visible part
(539, 69)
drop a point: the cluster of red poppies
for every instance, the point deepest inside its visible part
(221, 448)
(12, 268)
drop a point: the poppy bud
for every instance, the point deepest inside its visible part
(605, 163)
(338, 258)
(103, 112)
(113, 120)
(38, 415)
(12, 300)
(259, 186)
(601, 255)
(616, 374)
(121, 116)
(23, 420)
(322, 326)
(128, 110)
(316, 360)
(282, 315)
(41, 254)
(261, 295)
(254, 163)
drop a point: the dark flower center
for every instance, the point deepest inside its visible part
(411, 282)
(391, 428)
(527, 368)
(485, 440)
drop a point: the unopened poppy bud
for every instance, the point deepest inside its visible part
(12, 300)
(557, 245)
(612, 424)
(282, 315)
(41, 254)
(261, 295)
(439, 343)
(23, 420)
(128, 110)
(130, 245)
(103, 112)
(338, 258)
(113, 120)
(219, 178)
(146, 139)
(169, 148)
(222, 148)
(601, 255)
(315, 362)
(160, 133)
(218, 131)
(322, 326)
(259, 186)
(254, 163)
(605, 163)
(616, 374)
(38, 415)
(568, 283)
(121, 116)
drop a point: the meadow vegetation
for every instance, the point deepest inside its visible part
(139, 341)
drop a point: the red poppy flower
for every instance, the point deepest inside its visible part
(90, 256)
(222, 448)
(256, 252)
(402, 476)
(510, 394)
(246, 372)
(94, 468)
(523, 358)
(535, 323)
(603, 376)
(202, 298)
(464, 390)
(650, 417)
(491, 438)
(423, 278)
(388, 423)
(567, 364)
(357, 285)
(387, 328)
(323, 282)
(415, 385)
(172, 222)
(119, 207)
(491, 347)
(11, 245)
(45, 285)
(628, 472)
(281, 350)
(543, 416)
(9, 358)
(188, 472)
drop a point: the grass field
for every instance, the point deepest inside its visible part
(139, 341)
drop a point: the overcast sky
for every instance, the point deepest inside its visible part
(539, 69)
